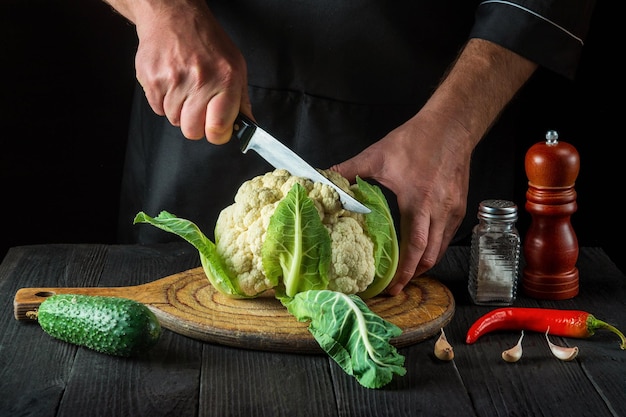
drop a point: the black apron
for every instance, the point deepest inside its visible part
(328, 78)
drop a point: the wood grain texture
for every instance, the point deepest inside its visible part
(188, 304)
(181, 376)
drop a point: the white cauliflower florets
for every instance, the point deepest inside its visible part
(241, 227)
(352, 267)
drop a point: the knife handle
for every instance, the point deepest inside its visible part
(243, 129)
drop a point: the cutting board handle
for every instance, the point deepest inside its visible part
(153, 293)
(29, 299)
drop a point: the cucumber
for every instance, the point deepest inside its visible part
(112, 325)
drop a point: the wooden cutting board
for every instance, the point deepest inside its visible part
(188, 304)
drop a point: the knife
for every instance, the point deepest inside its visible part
(280, 156)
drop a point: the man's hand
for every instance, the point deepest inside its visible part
(189, 68)
(426, 161)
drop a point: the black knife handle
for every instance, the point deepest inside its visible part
(243, 129)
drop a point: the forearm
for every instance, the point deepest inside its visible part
(478, 87)
(132, 10)
(138, 10)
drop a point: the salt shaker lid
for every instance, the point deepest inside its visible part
(497, 209)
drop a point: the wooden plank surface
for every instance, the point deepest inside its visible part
(539, 384)
(40, 376)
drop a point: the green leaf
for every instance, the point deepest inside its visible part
(212, 264)
(350, 333)
(297, 245)
(380, 228)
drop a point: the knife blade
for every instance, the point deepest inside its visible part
(251, 136)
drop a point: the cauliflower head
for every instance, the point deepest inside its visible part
(241, 230)
(292, 235)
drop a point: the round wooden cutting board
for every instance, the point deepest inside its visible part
(188, 304)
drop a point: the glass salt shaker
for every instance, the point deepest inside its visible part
(495, 252)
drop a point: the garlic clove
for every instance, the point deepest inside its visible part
(515, 353)
(562, 352)
(443, 349)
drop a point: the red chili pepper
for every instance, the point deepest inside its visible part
(566, 323)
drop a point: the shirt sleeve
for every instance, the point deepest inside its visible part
(550, 33)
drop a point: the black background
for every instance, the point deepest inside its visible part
(67, 71)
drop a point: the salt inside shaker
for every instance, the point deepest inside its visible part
(495, 253)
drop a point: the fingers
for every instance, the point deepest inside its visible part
(212, 119)
(154, 96)
(192, 117)
(199, 113)
(419, 249)
(411, 252)
(424, 240)
(221, 112)
(198, 116)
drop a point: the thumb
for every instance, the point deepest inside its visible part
(359, 165)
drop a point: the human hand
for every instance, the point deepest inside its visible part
(190, 70)
(426, 163)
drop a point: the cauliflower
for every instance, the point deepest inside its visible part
(291, 235)
(241, 228)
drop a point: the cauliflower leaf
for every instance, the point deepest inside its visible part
(381, 230)
(297, 245)
(351, 334)
(212, 264)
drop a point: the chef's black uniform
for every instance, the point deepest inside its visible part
(330, 78)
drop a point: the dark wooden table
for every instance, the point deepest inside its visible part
(40, 376)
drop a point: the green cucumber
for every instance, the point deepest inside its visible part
(112, 325)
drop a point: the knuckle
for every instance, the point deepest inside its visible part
(427, 262)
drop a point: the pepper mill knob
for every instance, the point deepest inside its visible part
(550, 246)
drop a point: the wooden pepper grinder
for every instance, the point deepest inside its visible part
(550, 247)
